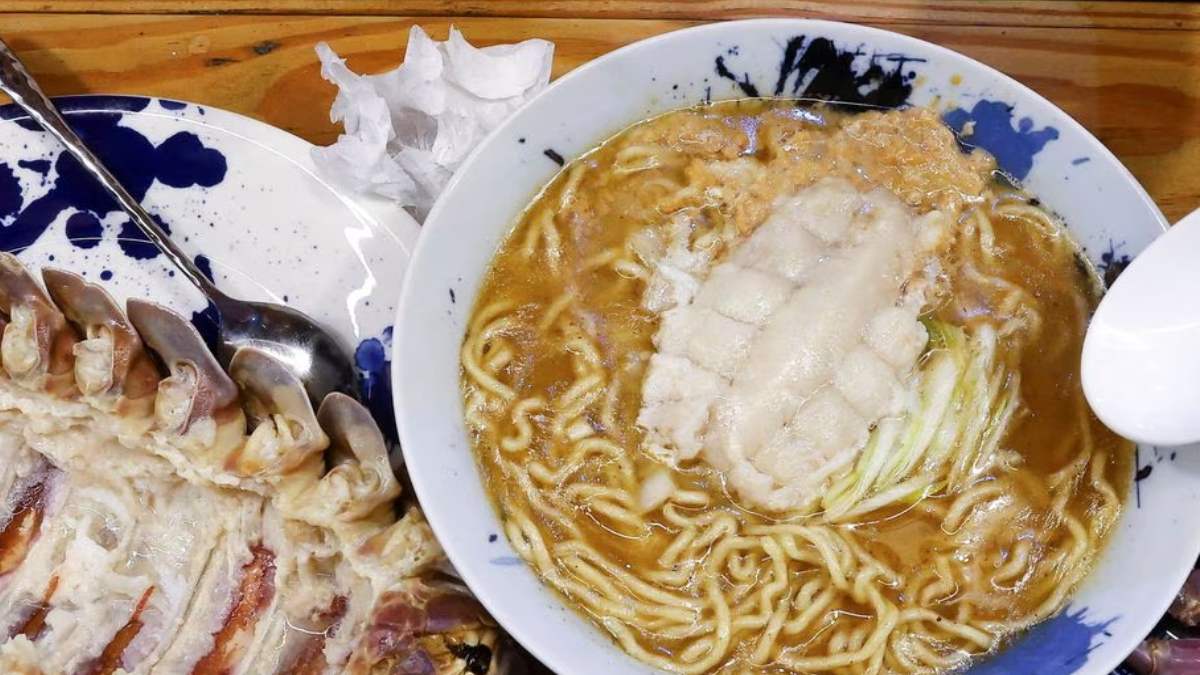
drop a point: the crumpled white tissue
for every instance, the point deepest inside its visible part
(408, 129)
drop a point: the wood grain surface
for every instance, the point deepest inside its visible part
(1127, 71)
(954, 12)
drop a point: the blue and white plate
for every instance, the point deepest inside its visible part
(240, 196)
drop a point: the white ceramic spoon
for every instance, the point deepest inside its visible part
(1141, 356)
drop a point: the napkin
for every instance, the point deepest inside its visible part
(408, 129)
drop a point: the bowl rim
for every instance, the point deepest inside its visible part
(506, 616)
(584, 68)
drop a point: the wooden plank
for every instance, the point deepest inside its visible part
(1134, 88)
(264, 66)
(1044, 13)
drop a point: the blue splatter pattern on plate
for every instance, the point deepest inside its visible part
(249, 214)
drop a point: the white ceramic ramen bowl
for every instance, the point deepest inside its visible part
(1154, 545)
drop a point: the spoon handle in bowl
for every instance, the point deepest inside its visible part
(16, 81)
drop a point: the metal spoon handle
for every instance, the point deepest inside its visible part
(16, 81)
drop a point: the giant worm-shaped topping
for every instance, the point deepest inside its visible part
(198, 401)
(286, 431)
(33, 617)
(111, 364)
(25, 521)
(251, 600)
(301, 569)
(36, 349)
(110, 659)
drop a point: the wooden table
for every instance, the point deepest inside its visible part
(1130, 72)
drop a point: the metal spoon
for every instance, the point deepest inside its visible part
(309, 351)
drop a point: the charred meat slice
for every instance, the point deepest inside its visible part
(22, 527)
(110, 659)
(254, 595)
(33, 625)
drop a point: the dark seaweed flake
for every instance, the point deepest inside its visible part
(477, 658)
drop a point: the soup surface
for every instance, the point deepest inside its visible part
(757, 385)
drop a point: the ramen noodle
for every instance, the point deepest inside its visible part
(760, 385)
